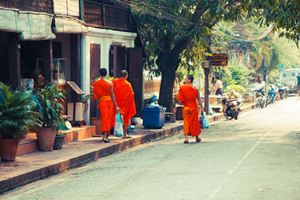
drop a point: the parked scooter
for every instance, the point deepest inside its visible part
(231, 108)
(261, 100)
(283, 92)
(272, 94)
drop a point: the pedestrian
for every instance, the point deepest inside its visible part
(125, 99)
(298, 84)
(188, 95)
(218, 86)
(260, 84)
(103, 91)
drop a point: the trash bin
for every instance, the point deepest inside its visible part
(153, 116)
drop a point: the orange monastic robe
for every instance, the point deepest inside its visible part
(125, 99)
(188, 96)
(102, 90)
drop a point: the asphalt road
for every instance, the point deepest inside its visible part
(256, 157)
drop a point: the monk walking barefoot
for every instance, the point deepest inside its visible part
(125, 99)
(103, 91)
(188, 95)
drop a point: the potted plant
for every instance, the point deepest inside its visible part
(50, 114)
(60, 136)
(59, 141)
(17, 116)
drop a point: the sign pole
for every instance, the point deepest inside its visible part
(206, 66)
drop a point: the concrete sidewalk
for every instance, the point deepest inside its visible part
(35, 166)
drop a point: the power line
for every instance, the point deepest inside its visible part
(162, 14)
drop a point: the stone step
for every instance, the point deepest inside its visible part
(26, 146)
(76, 134)
(29, 145)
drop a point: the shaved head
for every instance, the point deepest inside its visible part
(124, 74)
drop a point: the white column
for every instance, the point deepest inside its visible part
(131, 44)
(86, 73)
(105, 47)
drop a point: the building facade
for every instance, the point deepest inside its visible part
(110, 43)
(68, 40)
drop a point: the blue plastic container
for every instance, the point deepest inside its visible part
(153, 116)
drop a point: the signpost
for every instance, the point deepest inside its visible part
(206, 67)
(218, 59)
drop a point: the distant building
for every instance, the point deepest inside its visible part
(288, 77)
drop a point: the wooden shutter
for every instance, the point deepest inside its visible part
(135, 71)
(94, 72)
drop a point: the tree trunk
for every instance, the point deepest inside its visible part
(166, 88)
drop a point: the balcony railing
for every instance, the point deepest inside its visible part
(101, 15)
(93, 13)
(29, 5)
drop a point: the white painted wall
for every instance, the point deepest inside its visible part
(66, 7)
(105, 38)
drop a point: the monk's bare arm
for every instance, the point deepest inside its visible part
(180, 97)
(113, 97)
(199, 101)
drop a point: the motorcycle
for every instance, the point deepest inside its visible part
(272, 94)
(231, 108)
(261, 100)
(283, 92)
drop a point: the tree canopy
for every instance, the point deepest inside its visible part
(170, 28)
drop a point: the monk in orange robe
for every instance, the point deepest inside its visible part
(125, 99)
(188, 95)
(103, 91)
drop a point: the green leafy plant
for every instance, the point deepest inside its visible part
(235, 88)
(50, 112)
(16, 113)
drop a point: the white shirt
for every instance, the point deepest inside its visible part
(259, 86)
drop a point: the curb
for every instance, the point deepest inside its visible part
(43, 172)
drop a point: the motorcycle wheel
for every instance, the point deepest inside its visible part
(261, 104)
(236, 115)
(227, 117)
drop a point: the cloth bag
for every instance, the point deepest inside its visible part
(118, 130)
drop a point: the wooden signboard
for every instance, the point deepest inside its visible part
(218, 59)
(75, 87)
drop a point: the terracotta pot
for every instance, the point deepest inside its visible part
(45, 139)
(8, 149)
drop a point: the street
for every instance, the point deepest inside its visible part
(256, 157)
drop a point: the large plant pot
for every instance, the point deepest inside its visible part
(59, 141)
(45, 139)
(8, 149)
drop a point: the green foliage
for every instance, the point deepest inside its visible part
(259, 40)
(49, 98)
(235, 88)
(289, 54)
(283, 15)
(170, 30)
(16, 113)
(235, 77)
